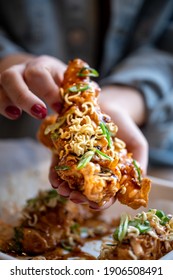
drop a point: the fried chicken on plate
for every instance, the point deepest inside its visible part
(147, 236)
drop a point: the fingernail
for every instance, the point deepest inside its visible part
(13, 112)
(39, 111)
(94, 207)
(57, 106)
(54, 187)
(77, 201)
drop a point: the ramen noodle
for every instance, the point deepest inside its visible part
(52, 227)
(148, 236)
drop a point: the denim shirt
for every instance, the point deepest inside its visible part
(131, 43)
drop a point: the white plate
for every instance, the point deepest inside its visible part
(29, 182)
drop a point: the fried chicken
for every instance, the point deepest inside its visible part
(149, 236)
(91, 159)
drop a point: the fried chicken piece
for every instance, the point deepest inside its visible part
(91, 159)
(146, 237)
(49, 220)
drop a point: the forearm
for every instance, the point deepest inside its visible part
(124, 98)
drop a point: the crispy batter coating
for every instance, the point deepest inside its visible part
(146, 237)
(91, 159)
(52, 227)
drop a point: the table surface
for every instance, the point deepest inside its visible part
(162, 172)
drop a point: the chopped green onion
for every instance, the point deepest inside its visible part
(160, 214)
(111, 245)
(62, 167)
(87, 72)
(51, 194)
(122, 230)
(115, 234)
(52, 127)
(18, 233)
(66, 246)
(54, 136)
(78, 87)
(137, 169)
(143, 227)
(103, 155)
(88, 156)
(106, 133)
(164, 218)
(32, 201)
(18, 238)
(85, 159)
(75, 228)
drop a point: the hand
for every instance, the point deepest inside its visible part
(75, 196)
(30, 85)
(127, 110)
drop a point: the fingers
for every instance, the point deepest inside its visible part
(7, 107)
(133, 137)
(127, 109)
(30, 87)
(77, 197)
(43, 77)
(17, 91)
(95, 206)
(53, 176)
(64, 189)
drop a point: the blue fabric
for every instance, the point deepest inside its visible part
(137, 50)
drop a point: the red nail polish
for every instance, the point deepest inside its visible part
(57, 106)
(13, 112)
(39, 111)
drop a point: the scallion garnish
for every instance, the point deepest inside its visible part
(18, 238)
(51, 194)
(142, 226)
(160, 214)
(87, 72)
(111, 245)
(32, 201)
(103, 155)
(85, 159)
(54, 136)
(88, 156)
(163, 218)
(55, 126)
(78, 87)
(62, 167)
(106, 133)
(137, 169)
(121, 231)
(75, 228)
(65, 246)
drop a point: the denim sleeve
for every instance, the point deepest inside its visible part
(7, 46)
(150, 71)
